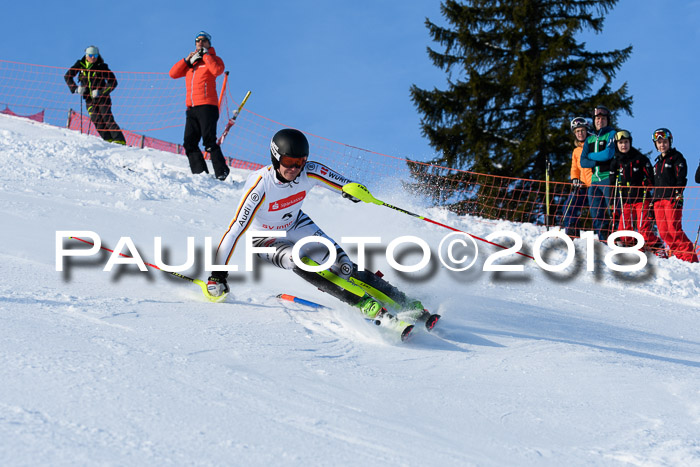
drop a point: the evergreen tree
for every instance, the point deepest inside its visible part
(516, 76)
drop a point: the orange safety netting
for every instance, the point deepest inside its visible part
(150, 109)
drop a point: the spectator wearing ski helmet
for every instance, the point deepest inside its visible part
(200, 69)
(96, 82)
(634, 177)
(597, 154)
(580, 178)
(671, 178)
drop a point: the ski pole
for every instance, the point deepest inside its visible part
(571, 198)
(292, 298)
(199, 282)
(232, 120)
(362, 193)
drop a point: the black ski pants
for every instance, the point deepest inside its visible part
(201, 123)
(100, 111)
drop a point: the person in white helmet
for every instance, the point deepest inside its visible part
(96, 82)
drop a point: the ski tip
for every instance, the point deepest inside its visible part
(405, 334)
(432, 321)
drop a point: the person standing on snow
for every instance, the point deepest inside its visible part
(272, 201)
(670, 177)
(634, 175)
(95, 84)
(580, 179)
(200, 69)
(598, 152)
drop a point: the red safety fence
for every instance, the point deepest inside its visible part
(150, 109)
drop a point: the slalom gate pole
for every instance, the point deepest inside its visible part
(571, 198)
(232, 120)
(292, 298)
(362, 193)
(199, 282)
(223, 88)
(695, 245)
(547, 166)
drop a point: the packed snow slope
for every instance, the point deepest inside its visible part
(134, 368)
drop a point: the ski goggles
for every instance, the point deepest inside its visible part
(661, 134)
(622, 134)
(93, 55)
(579, 122)
(293, 162)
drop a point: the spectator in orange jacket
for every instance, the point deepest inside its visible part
(580, 179)
(200, 69)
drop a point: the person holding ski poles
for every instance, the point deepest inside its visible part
(634, 177)
(597, 154)
(96, 82)
(272, 201)
(200, 69)
(580, 179)
(670, 178)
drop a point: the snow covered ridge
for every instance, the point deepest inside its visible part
(88, 172)
(525, 368)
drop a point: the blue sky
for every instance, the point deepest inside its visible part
(342, 70)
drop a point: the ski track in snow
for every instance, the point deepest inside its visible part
(125, 367)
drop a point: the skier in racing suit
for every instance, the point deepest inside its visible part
(272, 200)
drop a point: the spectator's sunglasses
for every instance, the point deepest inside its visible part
(661, 134)
(93, 55)
(293, 162)
(200, 39)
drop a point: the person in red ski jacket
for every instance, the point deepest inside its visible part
(670, 178)
(200, 69)
(634, 175)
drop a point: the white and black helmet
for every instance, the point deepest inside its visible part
(288, 143)
(580, 122)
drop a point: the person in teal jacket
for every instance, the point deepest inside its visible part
(598, 153)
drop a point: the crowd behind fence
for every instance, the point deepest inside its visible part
(150, 109)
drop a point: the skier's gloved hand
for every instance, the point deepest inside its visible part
(95, 93)
(576, 182)
(350, 197)
(217, 286)
(80, 90)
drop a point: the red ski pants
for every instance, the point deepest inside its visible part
(668, 220)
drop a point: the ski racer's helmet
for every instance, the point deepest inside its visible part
(580, 122)
(662, 133)
(288, 144)
(623, 134)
